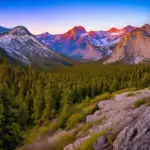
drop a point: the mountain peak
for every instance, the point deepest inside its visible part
(78, 29)
(146, 26)
(145, 29)
(113, 30)
(19, 30)
(75, 32)
(129, 28)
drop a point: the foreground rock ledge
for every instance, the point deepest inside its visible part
(132, 125)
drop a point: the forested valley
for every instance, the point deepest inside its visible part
(30, 99)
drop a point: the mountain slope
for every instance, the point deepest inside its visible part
(134, 47)
(20, 44)
(3, 29)
(79, 44)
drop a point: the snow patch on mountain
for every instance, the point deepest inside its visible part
(20, 44)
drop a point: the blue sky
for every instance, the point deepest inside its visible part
(57, 16)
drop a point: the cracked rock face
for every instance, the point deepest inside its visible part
(133, 48)
(135, 136)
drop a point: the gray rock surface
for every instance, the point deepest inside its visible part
(136, 135)
(129, 126)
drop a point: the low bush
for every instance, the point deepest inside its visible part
(63, 141)
(90, 109)
(131, 94)
(138, 103)
(54, 126)
(86, 127)
(88, 144)
(80, 116)
(104, 96)
(124, 90)
(75, 119)
(42, 130)
(148, 104)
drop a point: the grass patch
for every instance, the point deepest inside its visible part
(148, 104)
(89, 125)
(112, 137)
(80, 116)
(64, 141)
(86, 127)
(131, 94)
(88, 144)
(124, 90)
(138, 103)
(102, 97)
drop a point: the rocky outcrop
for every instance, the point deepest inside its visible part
(133, 48)
(120, 124)
(136, 135)
(129, 127)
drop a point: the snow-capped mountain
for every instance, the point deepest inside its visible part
(20, 44)
(133, 48)
(79, 44)
(3, 29)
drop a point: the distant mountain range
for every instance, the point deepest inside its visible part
(3, 29)
(21, 45)
(79, 44)
(129, 45)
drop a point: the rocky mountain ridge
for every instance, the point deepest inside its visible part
(79, 44)
(20, 44)
(133, 48)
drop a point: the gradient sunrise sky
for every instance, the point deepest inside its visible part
(57, 16)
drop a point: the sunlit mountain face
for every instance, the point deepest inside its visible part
(133, 48)
(79, 44)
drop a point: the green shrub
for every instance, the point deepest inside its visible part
(43, 130)
(63, 141)
(80, 116)
(131, 94)
(54, 126)
(98, 122)
(31, 135)
(148, 104)
(90, 109)
(88, 144)
(138, 103)
(82, 105)
(104, 96)
(64, 116)
(86, 127)
(74, 120)
(124, 90)
(112, 137)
